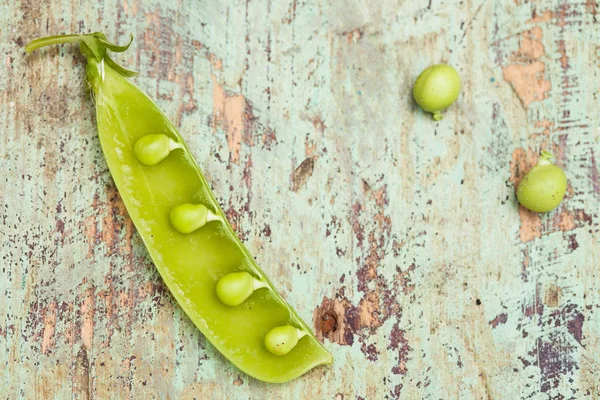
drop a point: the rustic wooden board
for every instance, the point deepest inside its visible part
(398, 237)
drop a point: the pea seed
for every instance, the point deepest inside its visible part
(282, 339)
(436, 89)
(543, 187)
(152, 149)
(186, 218)
(234, 288)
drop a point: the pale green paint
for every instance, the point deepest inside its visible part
(383, 169)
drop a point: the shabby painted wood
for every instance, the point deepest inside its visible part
(398, 237)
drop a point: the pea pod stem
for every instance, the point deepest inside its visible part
(93, 46)
(545, 158)
(52, 40)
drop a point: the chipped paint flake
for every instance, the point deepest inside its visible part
(526, 72)
(229, 114)
(528, 81)
(302, 173)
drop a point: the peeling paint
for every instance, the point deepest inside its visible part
(553, 296)
(540, 18)
(402, 236)
(231, 113)
(302, 173)
(499, 320)
(49, 328)
(526, 73)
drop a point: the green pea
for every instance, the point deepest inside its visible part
(186, 218)
(152, 149)
(437, 88)
(282, 339)
(234, 288)
(543, 187)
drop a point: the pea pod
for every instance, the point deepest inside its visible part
(204, 264)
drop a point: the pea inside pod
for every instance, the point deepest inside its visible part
(186, 218)
(436, 88)
(136, 138)
(234, 288)
(152, 149)
(544, 186)
(282, 339)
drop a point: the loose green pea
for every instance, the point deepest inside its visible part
(187, 217)
(152, 149)
(437, 88)
(233, 289)
(543, 187)
(282, 339)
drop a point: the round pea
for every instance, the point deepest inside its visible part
(233, 289)
(543, 187)
(437, 88)
(152, 149)
(281, 340)
(187, 217)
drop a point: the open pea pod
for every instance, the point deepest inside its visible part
(199, 256)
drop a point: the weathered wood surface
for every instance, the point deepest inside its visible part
(398, 237)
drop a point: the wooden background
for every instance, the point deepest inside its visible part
(398, 237)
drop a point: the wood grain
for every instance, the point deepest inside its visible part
(399, 237)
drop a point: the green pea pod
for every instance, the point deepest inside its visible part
(185, 231)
